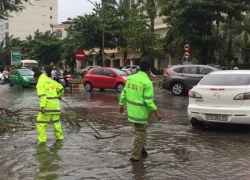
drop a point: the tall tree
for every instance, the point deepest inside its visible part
(98, 29)
(45, 47)
(5, 49)
(192, 22)
(7, 6)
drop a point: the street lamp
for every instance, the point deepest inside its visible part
(101, 16)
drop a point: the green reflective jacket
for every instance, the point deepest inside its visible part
(139, 94)
(49, 92)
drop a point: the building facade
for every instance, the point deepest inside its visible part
(37, 15)
(60, 30)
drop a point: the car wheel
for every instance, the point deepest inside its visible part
(88, 86)
(119, 87)
(197, 123)
(177, 89)
(10, 84)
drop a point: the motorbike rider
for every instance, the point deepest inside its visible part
(59, 76)
(66, 72)
(53, 73)
(5, 74)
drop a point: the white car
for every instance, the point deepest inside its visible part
(221, 97)
(130, 69)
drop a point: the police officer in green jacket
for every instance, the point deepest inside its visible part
(49, 93)
(139, 95)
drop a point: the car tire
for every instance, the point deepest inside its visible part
(119, 87)
(88, 86)
(10, 84)
(196, 123)
(177, 89)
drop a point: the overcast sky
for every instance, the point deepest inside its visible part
(73, 8)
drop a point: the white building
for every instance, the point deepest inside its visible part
(37, 15)
(60, 30)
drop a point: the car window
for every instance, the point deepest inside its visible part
(190, 70)
(97, 71)
(226, 80)
(178, 70)
(205, 70)
(121, 73)
(107, 72)
(26, 72)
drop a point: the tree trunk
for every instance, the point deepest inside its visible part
(229, 36)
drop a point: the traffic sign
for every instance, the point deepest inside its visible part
(186, 55)
(186, 47)
(80, 55)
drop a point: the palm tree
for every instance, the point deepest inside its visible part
(241, 40)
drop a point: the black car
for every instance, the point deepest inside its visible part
(181, 78)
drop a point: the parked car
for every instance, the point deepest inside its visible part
(85, 70)
(130, 69)
(181, 78)
(22, 77)
(105, 78)
(222, 97)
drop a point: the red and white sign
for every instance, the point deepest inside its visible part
(186, 47)
(80, 55)
(186, 55)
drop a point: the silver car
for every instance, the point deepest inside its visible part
(181, 78)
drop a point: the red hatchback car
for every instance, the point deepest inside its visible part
(105, 78)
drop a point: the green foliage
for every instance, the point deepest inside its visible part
(192, 22)
(7, 6)
(5, 49)
(44, 47)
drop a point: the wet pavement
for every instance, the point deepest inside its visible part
(176, 149)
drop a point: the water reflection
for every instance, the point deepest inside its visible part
(138, 170)
(48, 160)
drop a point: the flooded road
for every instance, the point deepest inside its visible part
(176, 149)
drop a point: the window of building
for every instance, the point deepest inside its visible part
(6, 34)
(68, 34)
(59, 33)
(7, 26)
(50, 8)
(51, 17)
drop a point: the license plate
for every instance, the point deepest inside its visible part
(217, 117)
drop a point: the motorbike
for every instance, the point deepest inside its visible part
(2, 78)
(64, 79)
(68, 81)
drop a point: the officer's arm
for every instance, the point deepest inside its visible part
(123, 96)
(41, 92)
(149, 97)
(59, 89)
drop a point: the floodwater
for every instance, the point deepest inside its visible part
(176, 149)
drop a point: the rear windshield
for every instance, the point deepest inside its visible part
(121, 73)
(226, 80)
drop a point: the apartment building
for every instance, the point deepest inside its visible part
(37, 15)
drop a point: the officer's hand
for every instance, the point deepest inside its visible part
(42, 110)
(157, 115)
(121, 109)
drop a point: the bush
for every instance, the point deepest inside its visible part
(157, 71)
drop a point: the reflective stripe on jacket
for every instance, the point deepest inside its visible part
(139, 94)
(49, 92)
